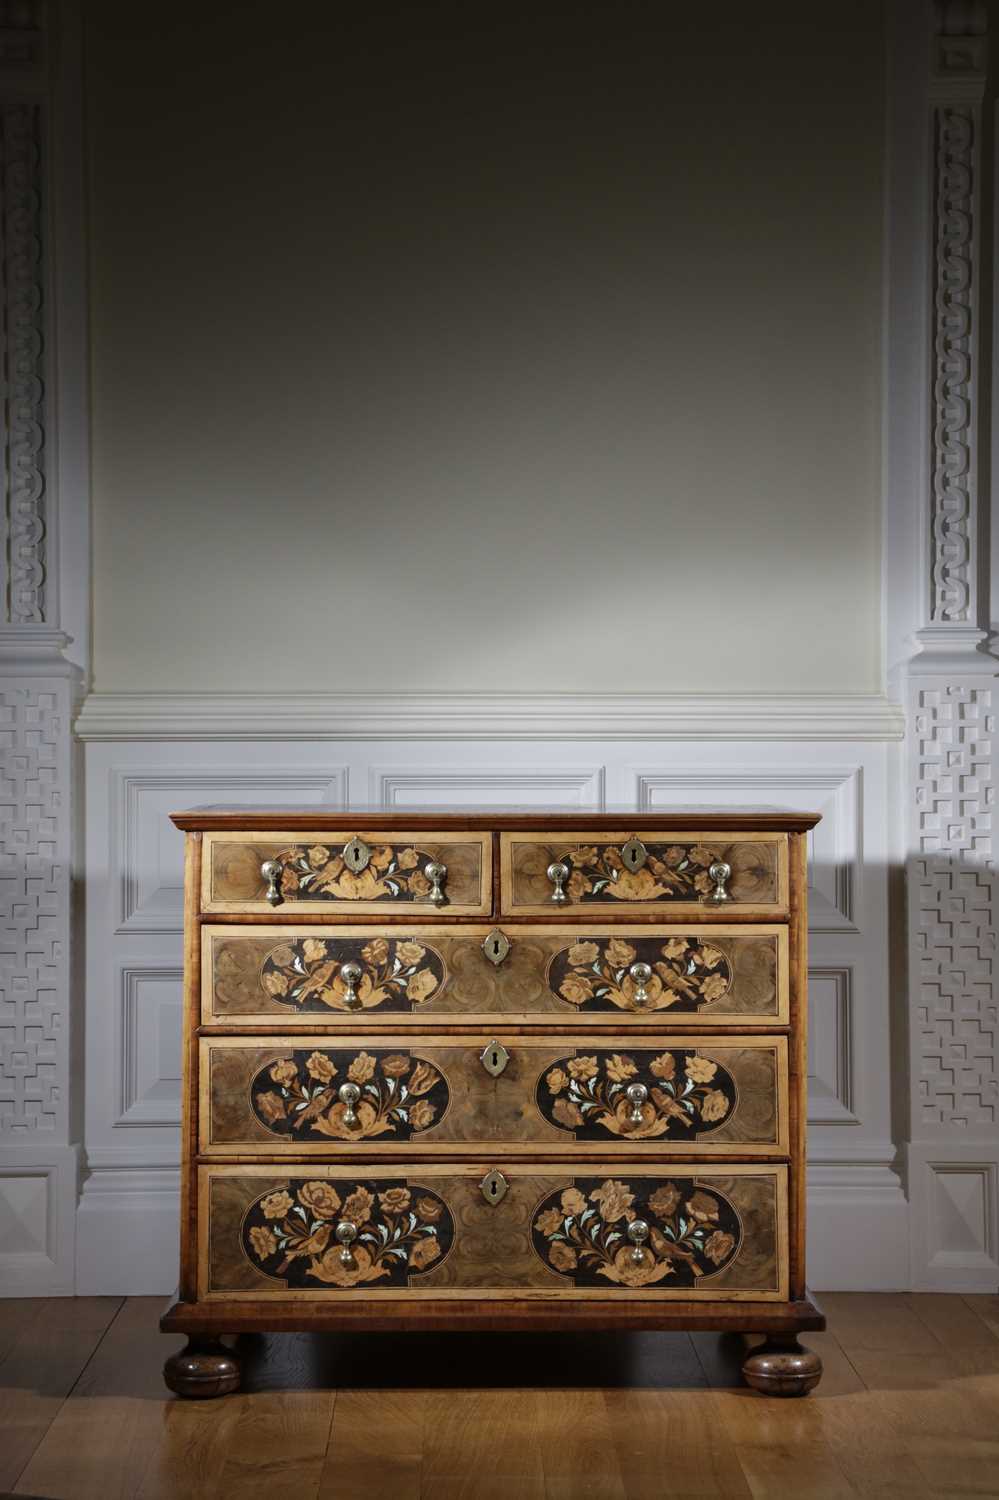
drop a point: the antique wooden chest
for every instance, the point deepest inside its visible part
(495, 1071)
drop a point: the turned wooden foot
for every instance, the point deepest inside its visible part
(205, 1368)
(781, 1367)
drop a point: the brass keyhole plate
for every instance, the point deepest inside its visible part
(494, 1058)
(496, 946)
(493, 1186)
(356, 855)
(634, 854)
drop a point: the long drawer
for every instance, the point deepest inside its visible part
(603, 872)
(522, 1231)
(460, 1095)
(299, 976)
(348, 872)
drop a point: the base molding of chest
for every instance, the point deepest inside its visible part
(397, 1315)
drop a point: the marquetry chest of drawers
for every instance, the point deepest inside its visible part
(493, 1071)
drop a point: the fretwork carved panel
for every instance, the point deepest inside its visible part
(34, 904)
(954, 903)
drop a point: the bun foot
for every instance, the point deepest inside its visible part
(781, 1367)
(205, 1368)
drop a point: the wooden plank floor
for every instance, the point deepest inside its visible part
(908, 1409)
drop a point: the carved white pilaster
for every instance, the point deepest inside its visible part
(38, 689)
(953, 697)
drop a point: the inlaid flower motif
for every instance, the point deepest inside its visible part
(718, 1246)
(585, 1236)
(395, 1236)
(422, 985)
(306, 974)
(700, 1069)
(276, 1205)
(319, 1065)
(398, 1095)
(263, 1240)
(614, 1200)
(589, 1095)
(595, 974)
(671, 872)
(320, 1198)
(362, 1068)
(319, 873)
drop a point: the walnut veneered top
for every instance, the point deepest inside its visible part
(320, 819)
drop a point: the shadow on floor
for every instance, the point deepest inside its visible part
(495, 1361)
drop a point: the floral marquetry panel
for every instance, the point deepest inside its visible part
(293, 976)
(672, 873)
(359, 872)
(434, 1096)
(717, 1233)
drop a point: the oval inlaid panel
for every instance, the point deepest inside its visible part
(297, 1096)
(396, 974)
(318, 873)
(402, 1231)
(581, 1232)
(592, 974)
(586, 1094)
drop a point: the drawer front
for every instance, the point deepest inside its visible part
(525, 1095)
(358, 872)
(614, 872)
(292, 977)
(549, 1232)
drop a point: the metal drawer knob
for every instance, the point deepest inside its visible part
(720, 872)
(641, 974)
(346, 1234)
(436, 873)
(558, 874)
(272, 870)
(351, 974)
(637, 1094)
(349, 1094)
(638, 1233)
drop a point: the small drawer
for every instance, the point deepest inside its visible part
(460, 1095)
(494, 1229)
(294, 976)
(348, 871)
(623, 872)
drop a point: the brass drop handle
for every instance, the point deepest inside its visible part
(720, 872)
(436, 873)
(272, 870)
(637, 1094)
(641, 974)
(558, 874)
(346, 1234)
(351, 974)
(638, 1233)
(349, 1095)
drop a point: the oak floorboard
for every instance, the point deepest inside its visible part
(955, 1324)
(670, 1443)
(878, 1320)
(376, 1446)
(110, 1426)
(985, 1305)
(45, 1353)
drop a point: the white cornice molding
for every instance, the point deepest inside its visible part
(488, 716)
